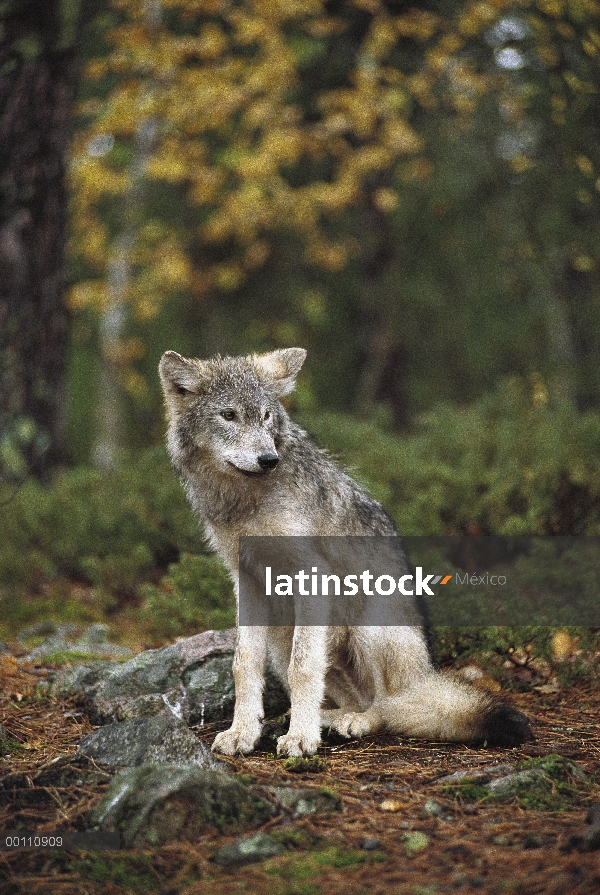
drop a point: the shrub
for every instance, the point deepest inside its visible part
(507, 465)
(195, 595)
(109, 530)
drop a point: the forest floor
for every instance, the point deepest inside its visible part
(400, 830)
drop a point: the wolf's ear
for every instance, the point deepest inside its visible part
(279, 368)
(179, 375)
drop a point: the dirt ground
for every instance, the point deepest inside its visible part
(383, 841)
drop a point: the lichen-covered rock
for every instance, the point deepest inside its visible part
(158, 740)
(191, 679)
(155, 804)
(306, 801)
(248, 850)
(209, 690)
(549, 782)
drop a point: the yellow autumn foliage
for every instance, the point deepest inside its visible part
(251, 137)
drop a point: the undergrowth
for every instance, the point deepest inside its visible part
(92, 544)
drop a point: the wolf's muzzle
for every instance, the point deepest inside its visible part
(268, 461)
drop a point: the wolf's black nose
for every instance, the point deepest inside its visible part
(268, 461)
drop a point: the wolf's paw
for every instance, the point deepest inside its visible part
(297, 744)
(353, 724)
(236, 740)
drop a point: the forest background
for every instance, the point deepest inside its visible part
(409, 191)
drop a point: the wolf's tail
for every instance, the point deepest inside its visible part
(442, 707)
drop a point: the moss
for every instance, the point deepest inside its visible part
(9, 746)
(133, 872)
(414, 842)
(466, 789)
(315, 862)
(72, 657)
(314, 765)
(295, 838)
(558, 786)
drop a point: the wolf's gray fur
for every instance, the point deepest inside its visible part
(248, 470)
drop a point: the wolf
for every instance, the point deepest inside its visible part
(249, 470)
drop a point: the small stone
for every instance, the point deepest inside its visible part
(503, 841)
(370, 844)
(393, 805)
(432, 809)
(248, 850)
(553, 686)
(562, 645)
(534, 840)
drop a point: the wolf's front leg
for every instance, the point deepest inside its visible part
(306, 678)
(249, 677)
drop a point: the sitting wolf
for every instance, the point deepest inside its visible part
(249, 470)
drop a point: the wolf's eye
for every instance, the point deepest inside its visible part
(181, 390)
(267, 415)
(228, 414)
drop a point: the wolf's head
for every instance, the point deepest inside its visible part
(227, 409)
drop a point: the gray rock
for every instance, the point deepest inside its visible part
(512, 784)
(127, 707)
(74, 679)
(481, 774)
(192, 679)
(544, 771)
(248, 850)
(504, 841)
(593, 814)
(137, 687)
(209, 689)
(305, 801)
(156, 804)
(590, 840)
(158, 740)
(370, 844)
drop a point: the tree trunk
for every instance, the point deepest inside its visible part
(37, 84)
(110, 425)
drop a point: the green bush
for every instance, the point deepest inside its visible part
(109, 530)
(195, 595)
(507, 465)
